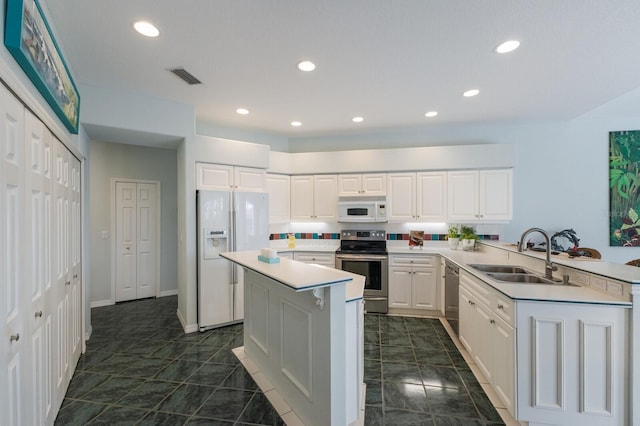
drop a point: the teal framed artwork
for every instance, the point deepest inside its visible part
(624, 188)
(29, 39)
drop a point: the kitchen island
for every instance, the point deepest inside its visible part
(303, 331)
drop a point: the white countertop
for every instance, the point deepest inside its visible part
(328, 248)
(299, 276)
(534, 292)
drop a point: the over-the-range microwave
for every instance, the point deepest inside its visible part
(354, 210)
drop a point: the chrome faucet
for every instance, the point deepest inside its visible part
(549, 266)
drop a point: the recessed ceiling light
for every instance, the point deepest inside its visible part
(147, 29)
(306, 66)
(296, 123)
(470, 93)
(242, 111)
(508, 46)
(431, 114)
(357, 119)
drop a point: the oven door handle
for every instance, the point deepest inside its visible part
(360, 257)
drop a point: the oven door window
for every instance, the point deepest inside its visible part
(370, 269)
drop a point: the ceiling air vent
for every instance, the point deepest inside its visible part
(185, 75)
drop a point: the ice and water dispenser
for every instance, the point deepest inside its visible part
(215, 242)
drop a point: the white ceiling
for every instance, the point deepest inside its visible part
(389, 61)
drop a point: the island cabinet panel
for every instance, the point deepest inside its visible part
(572, 363)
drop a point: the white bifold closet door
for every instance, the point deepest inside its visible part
(40, 284)
(137, 220)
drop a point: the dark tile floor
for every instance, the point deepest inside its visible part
(140, 368)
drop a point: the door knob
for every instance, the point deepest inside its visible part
(67, 283)
(39, 314)
(14, 337)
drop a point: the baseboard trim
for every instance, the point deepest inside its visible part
(190, 328)
(168, 293)
(87, 333)
(101, 303)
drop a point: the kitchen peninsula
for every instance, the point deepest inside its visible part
(304, 331)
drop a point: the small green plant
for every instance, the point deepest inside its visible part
(467, 233)
(453, 232)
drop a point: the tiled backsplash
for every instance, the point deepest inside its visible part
(390, 236)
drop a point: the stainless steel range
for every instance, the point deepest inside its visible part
(365, 253)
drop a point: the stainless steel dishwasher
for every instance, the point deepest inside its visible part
(451, 284)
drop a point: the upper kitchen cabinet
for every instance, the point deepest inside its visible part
(220, 177)
(476, 196)
(279, 189)
(374, 184)
(314, 198)
(417, 197)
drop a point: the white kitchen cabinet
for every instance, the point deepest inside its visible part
(484, 195)
(372, 184)
(314, 198)
(489, 339)
(417, 197)
(318, 258)
(279, 189)
(221, 177)
(413, 282)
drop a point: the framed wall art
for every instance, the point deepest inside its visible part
(624, 188)
(30, 41)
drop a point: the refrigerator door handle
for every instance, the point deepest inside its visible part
(234, 273)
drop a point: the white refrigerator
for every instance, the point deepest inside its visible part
(227, 221)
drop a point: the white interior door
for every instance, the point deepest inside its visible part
(137, 240)
(13, 343)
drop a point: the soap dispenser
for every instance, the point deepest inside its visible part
(292, 240)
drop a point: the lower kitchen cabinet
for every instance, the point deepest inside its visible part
(488, 338)
(413, 282)
(571, 357)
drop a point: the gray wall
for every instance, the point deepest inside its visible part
(110, 160)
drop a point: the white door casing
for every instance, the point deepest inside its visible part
(136, 246)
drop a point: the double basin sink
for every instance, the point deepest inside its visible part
(514, 274)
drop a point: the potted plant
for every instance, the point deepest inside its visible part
(453, 237)
(468, 237)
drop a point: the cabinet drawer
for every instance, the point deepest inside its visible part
(326, 259)
(477, 288)
(422, 261)
(504, 308)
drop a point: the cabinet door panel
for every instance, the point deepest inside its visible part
(462, 195)
(425, 290)
(466, 320)
(374, 184)
(325, 197)
(431, 197)
(402, 200)
(349, 185)
(249, 179)
(504, 363)
(215, 177)
(495, 195)
(483, 354)
(399, 288)
(301, 197)
(279, 189)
